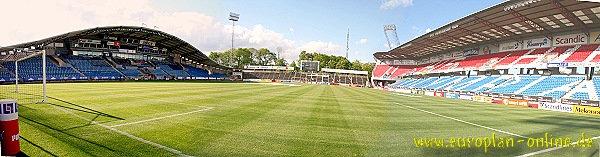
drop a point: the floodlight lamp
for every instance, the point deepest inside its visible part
(234, 16)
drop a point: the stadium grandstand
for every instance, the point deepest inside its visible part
(110, 53)
(325, 76)
(532, 48)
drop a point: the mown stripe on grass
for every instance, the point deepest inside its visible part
(327, 131)
(219, 131)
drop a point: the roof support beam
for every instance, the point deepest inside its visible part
(146, 36)
(441, 43)
(454, 38)
(178, 46)
(545, 32)
(128, 33)
(163, 40)
(495, 42)
(504, 32)
(571, 17)
(429, 46)
(407, 51)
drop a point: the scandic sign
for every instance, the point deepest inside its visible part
(570, 39)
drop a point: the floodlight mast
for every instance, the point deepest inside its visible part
(347, 38)
(391, 27)
(233, 17)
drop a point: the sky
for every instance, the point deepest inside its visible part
(295, 26)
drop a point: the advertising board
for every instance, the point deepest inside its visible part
(514, 102)
(586, 110)
(555, 107)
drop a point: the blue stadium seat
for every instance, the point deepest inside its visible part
(581, 96)
(441, 82)
(172, 69)
(483, 82)
(463, 83)
(196, 72)
(514, 84)
(93, 67)
(551, 83)
(30, 69)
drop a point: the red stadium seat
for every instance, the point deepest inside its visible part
(512, 57)
(380, 70)
(582, 53)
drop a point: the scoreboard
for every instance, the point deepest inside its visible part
(306, 65)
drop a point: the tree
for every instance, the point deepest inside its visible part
(356, 65)
(220, 57)
(242, 57)
(293, 64)
(304, 56)
(281, 62)
(264, 57)
(368, 67)
(342, 63)
(330, 64)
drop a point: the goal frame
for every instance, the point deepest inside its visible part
(17, 78)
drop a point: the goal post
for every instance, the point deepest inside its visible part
(24, 76)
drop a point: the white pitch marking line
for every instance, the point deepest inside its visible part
(462, 121)
(124, 133)
(406, 95)
(159, 118)
(554, 148)
(180, 103)
(276, 84)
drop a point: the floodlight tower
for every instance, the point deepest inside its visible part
(233, 17)
(391, 27)
(347, 38)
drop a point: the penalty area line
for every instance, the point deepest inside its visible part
(462, 121)
(124, 133)
(159, 118)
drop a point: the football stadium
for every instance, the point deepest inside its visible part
(519, 78)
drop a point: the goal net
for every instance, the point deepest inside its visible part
(22, 76)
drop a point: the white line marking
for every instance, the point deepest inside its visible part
(462, 121)
(124, 133)
(407, 95)
(159, 118)
(180, 103)
(554, 148)
(276, 84)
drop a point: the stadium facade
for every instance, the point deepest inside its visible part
(109, 53)
(542, 51)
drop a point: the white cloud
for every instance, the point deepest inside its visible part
(362, 41)
(428, 30)
(200, 30)
(389, 4)
(320, 46)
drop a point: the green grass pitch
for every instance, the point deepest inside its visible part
(240, 119)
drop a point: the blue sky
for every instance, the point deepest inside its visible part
(312, 25)
(318, 20)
